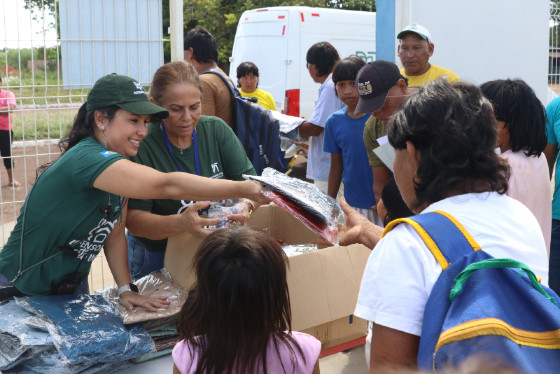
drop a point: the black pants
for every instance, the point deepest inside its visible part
(6, 139)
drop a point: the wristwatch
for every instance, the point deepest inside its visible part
(127, 287)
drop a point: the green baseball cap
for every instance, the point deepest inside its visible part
(124, 92)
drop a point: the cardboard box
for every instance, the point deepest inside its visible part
(323, 284)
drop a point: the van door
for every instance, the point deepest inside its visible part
(261, 38)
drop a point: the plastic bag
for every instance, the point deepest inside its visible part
(86, 328)
(305, 201)
(158, 283)
(299, 249)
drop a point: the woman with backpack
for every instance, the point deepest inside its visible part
(444, 138)
(187, 142)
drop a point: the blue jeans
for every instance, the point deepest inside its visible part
(554, 264)
(141, 260)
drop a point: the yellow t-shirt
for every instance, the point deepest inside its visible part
(264, 98)
(433, 73)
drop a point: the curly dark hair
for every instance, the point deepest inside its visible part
(239, 302)
(453, 127)
(516, 104)
(204, 45)
(323, 55)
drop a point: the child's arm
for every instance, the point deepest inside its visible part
(315, 369)
(335, 174)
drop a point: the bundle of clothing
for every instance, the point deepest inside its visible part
(87, 333)
(318, 211)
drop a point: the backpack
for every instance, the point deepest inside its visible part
(483, 306)
(257, 131)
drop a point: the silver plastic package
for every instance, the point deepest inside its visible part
(287, 123)
(299, 249)
(304, 200)
(216, 210)
(158, 283)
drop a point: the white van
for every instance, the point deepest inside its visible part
(276, 39)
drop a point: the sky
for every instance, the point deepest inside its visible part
(19, 30)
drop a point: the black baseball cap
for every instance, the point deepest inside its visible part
(124, 92)
(373, 82)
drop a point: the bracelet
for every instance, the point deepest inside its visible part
(127, 287)
(250, 205)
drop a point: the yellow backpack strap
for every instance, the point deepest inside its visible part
(435, 225)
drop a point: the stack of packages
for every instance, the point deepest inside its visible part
(86, 333)
(160, 325)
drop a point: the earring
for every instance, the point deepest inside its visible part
(102, 128)
(104, 139)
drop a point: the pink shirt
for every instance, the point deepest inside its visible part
(186, 359)
(529, 183)
(6, 97)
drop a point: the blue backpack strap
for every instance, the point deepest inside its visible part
(444, 236)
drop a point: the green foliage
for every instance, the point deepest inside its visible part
(17, 58)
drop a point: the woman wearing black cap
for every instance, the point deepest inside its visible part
(78, 204)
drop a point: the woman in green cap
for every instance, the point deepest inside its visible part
(78, 204)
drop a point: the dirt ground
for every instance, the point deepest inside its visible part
(26, 162)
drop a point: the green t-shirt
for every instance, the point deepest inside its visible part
(373, 130)
(63, 210)
(220, 154)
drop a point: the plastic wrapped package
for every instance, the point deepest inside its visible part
(317, 210)
(286, 123)
(158, 283)
(21, 336)
(86, 328)
(299, 249)
(217, 210)
(51, 362)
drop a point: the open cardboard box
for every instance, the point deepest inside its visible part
(323, 284)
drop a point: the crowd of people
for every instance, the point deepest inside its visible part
(151, 163)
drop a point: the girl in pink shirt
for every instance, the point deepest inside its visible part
(237, 316)
(521, 123)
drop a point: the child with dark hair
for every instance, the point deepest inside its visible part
(237, 317)
(248, 82)
(391, 206)
(321, 59)
(521, 123)
(344, 141)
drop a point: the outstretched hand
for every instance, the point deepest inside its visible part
(254, 192)
(194, 223)
(131, 300)
(358, 229)
(243, 216)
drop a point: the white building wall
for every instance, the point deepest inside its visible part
(483, 40)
